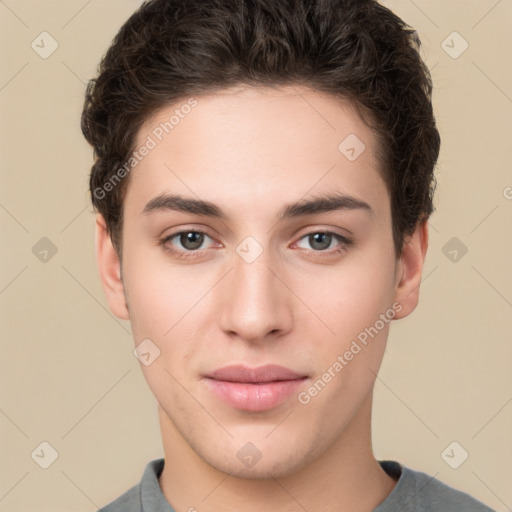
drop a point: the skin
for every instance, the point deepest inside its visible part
(251, 151)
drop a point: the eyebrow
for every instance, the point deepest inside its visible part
(324, 203)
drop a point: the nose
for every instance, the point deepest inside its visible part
(257, 303)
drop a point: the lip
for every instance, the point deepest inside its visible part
(254, 389)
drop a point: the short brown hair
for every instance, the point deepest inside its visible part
(353, 49)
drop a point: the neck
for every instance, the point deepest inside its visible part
(343, 478)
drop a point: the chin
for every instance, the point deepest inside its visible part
(273, 463)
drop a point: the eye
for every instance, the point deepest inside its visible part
(322, 240)
(190, 241)
(187, 243)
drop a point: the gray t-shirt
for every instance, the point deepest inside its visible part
(414, 492)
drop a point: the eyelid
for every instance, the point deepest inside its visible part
(205, 231)
(188, 229)
(326, 229)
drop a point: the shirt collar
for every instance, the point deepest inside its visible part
(153, 499)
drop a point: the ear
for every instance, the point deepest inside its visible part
(110, 270)
(410, 268)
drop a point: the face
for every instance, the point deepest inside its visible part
(276, 249)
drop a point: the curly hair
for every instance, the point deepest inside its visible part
(352, 49)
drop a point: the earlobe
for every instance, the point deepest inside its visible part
(411, 269)
(110, 270)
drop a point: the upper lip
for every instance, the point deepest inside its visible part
(266, 373)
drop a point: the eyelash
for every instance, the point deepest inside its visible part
(188, 254)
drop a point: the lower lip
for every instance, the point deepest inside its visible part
(254, 397)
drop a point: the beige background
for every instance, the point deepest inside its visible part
(67, 369)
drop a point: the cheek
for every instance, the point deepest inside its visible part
(349, 353)
(166, 317)
(165, 305)
(347, 361)
(162, 297)
(348, 299)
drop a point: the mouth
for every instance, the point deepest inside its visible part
(254, 389)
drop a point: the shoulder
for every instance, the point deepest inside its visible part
(127, 502)
(146, 495)
(416, 491)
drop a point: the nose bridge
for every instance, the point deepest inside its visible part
(256, 299)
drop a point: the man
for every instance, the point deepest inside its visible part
(263, 178)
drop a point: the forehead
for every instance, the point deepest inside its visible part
(249, 146)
